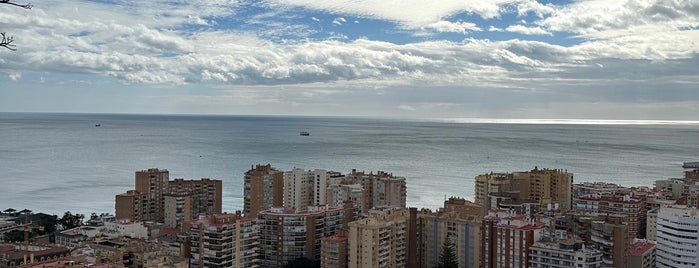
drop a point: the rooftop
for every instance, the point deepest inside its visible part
(640, 246)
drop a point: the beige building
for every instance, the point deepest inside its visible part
(223, 240)
(287, 234)
(263, 189)
(379, 190)
(630, 209)
(333, 250)
(384, 241)
(542, 186)
(459, 221)
(148, 201)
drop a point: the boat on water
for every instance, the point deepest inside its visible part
(304, 133)
(98, 125)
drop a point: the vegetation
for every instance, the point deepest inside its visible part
(447, 258)
(70, 221)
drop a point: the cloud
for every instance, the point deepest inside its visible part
(339, 21)
(315, 19)
(495, 29)
(589, 18)
(521, 29)
(453, 27)
(411, 14)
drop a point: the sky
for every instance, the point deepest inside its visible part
(596, 59)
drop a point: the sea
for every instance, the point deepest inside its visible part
(54, 163)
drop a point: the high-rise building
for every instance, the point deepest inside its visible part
(333, 251)
(304, 188)
(541, 186)
(460, 222)
(566, 253)
(384, 241)
(153, 183)
(630, 209)
(187, 199)
(379, 190)
(223, 240)
(506, 239)
(263, 189)
(287, 234)
(548, 186)
(611, 237)
(178, 208)
(677, 237)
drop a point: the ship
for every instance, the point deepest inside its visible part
(304, 133)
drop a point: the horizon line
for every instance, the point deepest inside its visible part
(458, 120)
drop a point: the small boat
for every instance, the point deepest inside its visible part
(304, 133)
(98, 125)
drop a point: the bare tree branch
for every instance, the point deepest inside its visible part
(27, 6)
(7, 42)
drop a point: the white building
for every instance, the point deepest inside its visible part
(305, 188)
(566, 253)
(677, 237)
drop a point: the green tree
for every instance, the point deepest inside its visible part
(447, 258)
(70, 220)
(15, 236)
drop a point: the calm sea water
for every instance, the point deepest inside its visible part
(62, 162)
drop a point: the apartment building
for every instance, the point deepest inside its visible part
(263, 189)
(506, 239)
(287, 234)
(384, 241)
(677, 237)
(566, 253)
(333, 250)
(223, 240)
(630, 209)
(460, 222)
(540, 186)
(186, 198)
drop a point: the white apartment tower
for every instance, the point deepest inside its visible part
(677, 237)
(304, 188)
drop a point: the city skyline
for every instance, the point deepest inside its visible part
(525, 59)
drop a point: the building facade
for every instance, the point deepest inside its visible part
(287, 234)
(506, 239)
(263, 189)
(384, 241)
(223, 240)
(460, 222)
(677, 237)
(563, 254)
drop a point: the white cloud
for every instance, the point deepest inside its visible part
(453, 27)
(315, 19)
(527, 30)
(412, 14)
(339, 21)
(14, 76)
(495, 29)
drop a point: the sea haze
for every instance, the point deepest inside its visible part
(63, 162)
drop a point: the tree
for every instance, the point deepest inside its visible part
(7, 40)
(447, 258)
(70, 221)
